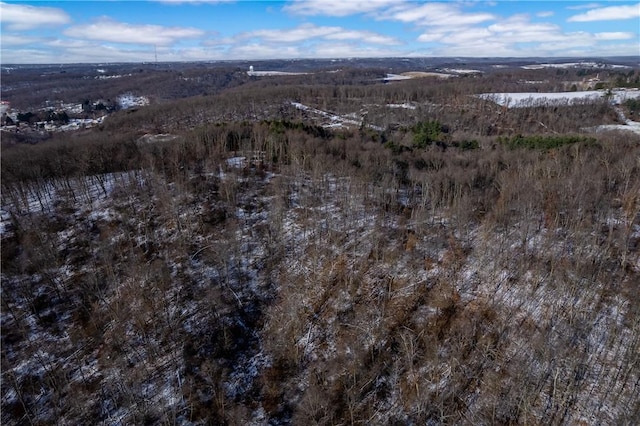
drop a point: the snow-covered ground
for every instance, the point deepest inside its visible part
(111, 77)
(272, 73)
(628, 126)
(72, 108)
(334, 119)
(461, 71)
(151, 138)
(81, 123)
(43, 198)
(534, 99)
(129, 100)
(527, 99)
(397, 77)
(417, 74)
(406, 105)
(347, 288)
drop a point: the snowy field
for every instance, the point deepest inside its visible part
(416, 74)
(405, 105)
(538, 99)
(129, 101)
(527, 99)
(272, 73)
(397, 77)
(567, 65)
(461, 71)
(631, 126)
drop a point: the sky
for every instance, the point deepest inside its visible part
(48, 32)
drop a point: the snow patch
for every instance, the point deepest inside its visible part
(528, 99)
(129, 100)
(405, 105)
(334, 119)
(461, 71)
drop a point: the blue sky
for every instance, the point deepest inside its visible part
(175, 30)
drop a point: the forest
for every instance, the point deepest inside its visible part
(322, 249)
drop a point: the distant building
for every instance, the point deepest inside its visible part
(4, 107)
(595, 79)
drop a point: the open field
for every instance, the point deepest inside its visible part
(523, 99)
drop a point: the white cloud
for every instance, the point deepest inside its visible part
(80, 51)
(98, 53)
(31, 56)
(18, 40)
(365, 36)
(614, 36)
(479, 49)
(23, 17)
(220, 41)
(563, 45)
(518, 36)
(264, 51)
(306, 32)
(435, 14)
(624, 49)
(518, 29)
(321, 50)
(70, 44)
(192, 54)
(611, 13)
(440, 29)
(336, 7)
(563, 50)
(545, 14)
(584, 6)
(432, 36)
(108, 30)
(348, 51)
(301, 33)
(468, 35)
(451, 31)
(551, 49)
